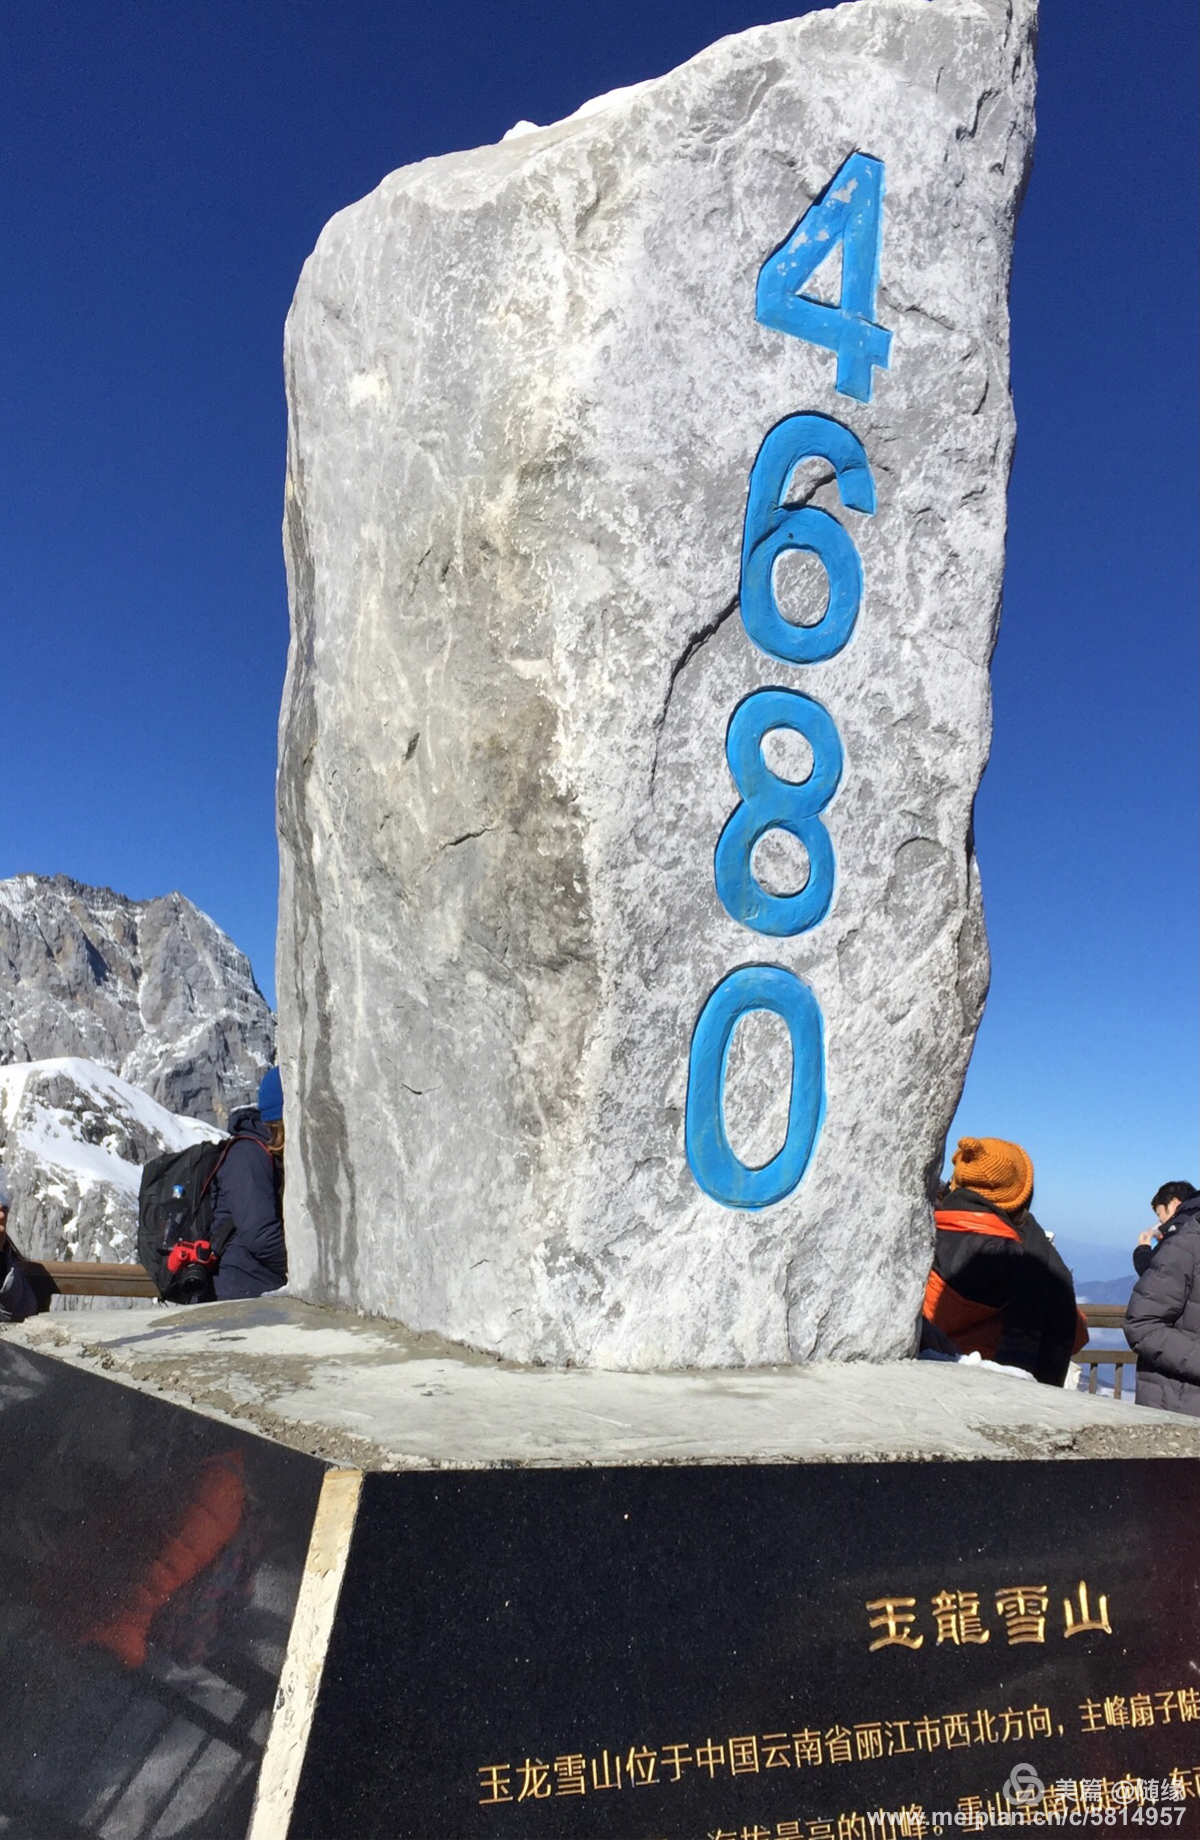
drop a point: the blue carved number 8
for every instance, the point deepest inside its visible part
(770, 803)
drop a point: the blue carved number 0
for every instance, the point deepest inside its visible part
(717, 1169)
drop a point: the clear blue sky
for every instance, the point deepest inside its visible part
(169, 168)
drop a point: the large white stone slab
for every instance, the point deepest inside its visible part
(527, 388)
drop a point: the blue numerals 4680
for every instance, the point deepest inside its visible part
(848, 214)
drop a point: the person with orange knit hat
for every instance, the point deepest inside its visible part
(998, 1288)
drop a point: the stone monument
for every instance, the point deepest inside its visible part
(645, 534)
(645, 526)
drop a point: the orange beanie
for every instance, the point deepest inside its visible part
(999, 1171)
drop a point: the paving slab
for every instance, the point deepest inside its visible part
(370, 1393)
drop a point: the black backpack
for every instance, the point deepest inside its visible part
(175, 1210)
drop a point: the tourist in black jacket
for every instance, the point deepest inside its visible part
(1162, 1322)
(998, 1288)
(248, 1194)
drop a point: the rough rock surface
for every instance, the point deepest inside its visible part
(153, 990)
(73, 1137)
(527, 387)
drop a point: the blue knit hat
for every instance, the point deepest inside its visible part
(270, 1096)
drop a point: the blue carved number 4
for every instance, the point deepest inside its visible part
(848, 214)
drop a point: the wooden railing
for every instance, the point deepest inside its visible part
(1091, 1358)
(1104, 1315)
(85, 1278)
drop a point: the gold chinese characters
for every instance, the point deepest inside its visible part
(1022, 1608)
(645, 1766)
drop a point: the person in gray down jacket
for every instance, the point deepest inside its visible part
(1162, 1323)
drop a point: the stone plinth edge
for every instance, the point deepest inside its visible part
(366, 1394)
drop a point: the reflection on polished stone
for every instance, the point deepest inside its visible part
(149, 1564)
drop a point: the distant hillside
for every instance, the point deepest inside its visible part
(1105, 1290)
(1096, 1258)
(153, 990)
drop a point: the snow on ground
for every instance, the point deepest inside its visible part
(50, 1135)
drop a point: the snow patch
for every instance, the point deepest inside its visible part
(50, 1134)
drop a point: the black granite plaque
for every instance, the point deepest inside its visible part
(150, 1560)
(837, 1652)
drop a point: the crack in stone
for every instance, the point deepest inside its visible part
(584, 217)
(695, 640)
(958, 651)
(911, 311)
(963, 133)
(451, 843)
(422, 559)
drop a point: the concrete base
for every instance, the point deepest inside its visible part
(370, 1394)
(455, 1580)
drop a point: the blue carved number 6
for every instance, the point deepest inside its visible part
(771, 527)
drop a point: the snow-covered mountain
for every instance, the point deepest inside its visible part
(73, 1137)
(153, 990)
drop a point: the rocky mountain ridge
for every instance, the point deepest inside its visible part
(152, 990)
